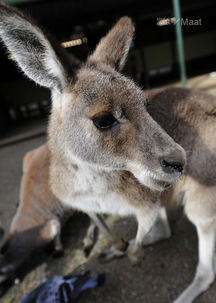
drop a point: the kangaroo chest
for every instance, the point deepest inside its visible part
(89, 192)
(107, 203)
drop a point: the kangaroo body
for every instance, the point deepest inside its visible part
(38, 205)
(189, 117)
(113, 152)
(38, 219)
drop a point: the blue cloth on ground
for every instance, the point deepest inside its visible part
(63, 289)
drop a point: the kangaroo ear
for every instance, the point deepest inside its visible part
(113, 48)
(40, 58)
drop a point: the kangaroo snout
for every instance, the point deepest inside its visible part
(171, 166)
(174, 163)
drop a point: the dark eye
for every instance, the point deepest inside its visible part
(105, 121)
(146, 102)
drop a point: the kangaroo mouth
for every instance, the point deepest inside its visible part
(162, 184)
(155, 180)
(154, 183)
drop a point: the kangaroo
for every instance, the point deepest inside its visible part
(107, 154)
(39, 217)
(189, 117)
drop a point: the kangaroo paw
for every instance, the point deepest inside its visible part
(90, 239)
(111, 253)
(134, 253)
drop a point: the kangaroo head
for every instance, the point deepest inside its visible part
(99, 118)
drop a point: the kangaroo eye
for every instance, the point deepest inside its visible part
(146, 102)
(105, 121)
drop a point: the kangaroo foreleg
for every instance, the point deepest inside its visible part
(160, 230)
(119, 246)
(90, 238)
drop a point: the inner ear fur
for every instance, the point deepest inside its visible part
(38, 55)
(113, 48)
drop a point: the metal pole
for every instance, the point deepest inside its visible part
(180, 46)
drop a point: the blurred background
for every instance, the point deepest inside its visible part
(79, 24)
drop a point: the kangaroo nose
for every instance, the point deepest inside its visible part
(171, 167)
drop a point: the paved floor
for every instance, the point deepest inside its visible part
(165, 270)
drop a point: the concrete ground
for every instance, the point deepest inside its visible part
(165, 271)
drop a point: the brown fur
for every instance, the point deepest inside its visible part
(38, 218)
(37, 203)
